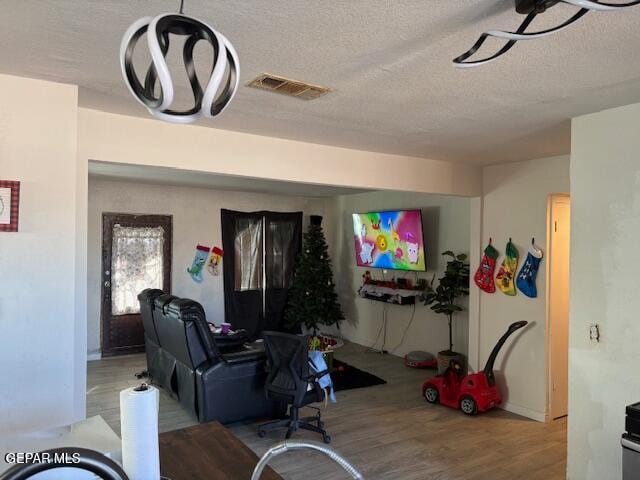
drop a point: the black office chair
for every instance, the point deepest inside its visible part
(288, 379)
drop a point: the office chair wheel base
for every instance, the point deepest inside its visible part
(326, 439)
(320, 424)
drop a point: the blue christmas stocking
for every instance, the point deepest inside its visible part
(195, 270)
(526, 281)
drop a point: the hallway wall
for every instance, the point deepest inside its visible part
(605, 260)
(514, 205)
(42, 382)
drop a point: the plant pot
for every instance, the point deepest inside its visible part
(444, 360)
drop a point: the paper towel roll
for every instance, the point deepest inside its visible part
(139, 431)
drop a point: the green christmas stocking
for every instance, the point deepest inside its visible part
(195, 270)
(507, 272)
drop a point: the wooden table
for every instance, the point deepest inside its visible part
(208, 452)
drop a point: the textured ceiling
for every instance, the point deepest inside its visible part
(387, 61)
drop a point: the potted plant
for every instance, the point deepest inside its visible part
(445, 299)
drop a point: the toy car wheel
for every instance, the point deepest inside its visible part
(431, 394)
(468, 405)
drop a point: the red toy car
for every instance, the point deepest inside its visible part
(473, 393)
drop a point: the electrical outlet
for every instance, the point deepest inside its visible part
(594, 332)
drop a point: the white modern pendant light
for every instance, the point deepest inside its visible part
(208, 102)
(533, 8)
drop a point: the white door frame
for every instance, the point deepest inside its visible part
(548, 254)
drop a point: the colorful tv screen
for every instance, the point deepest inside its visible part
(391, 240)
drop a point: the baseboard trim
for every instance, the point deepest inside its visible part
(509, 407)
(91, 357)
(369, 344)
(525, 412)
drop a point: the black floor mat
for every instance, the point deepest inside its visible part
(346, 377)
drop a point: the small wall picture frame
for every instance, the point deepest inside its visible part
(9, 205)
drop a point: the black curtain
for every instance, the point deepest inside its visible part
(260, 249)
(283, 241)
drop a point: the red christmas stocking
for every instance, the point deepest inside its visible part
(484, 274)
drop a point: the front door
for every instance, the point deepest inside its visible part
(136, 254)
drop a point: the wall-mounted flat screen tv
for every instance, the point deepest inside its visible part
(391, 240)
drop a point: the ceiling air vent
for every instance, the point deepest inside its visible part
(286, 86)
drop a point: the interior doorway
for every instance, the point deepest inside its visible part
(136, 254)
(558, 295)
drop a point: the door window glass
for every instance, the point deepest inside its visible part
(281, 254)
(136, 264)
(248, 254)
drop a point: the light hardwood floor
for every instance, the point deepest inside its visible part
(387, 431)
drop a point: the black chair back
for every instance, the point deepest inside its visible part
(152, 348)
(158, 312)
(147, 298)
(178, 335)
(198, 337)
(288, 360)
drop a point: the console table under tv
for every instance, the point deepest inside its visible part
(389, 294)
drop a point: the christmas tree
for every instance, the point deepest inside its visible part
(312, 298)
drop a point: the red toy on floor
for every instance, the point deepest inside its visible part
(473, 393)
(419, 359)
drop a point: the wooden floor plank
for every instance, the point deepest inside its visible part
(387, 431)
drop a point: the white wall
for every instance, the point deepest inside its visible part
(47, 142)
(122, 139)
(446, 227)
(42, 381)
(515, 205)
(196, 219)
(605, 260)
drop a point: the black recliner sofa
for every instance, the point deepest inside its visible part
(151, 341)
(183, 357)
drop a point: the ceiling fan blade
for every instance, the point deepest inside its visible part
(521, 34)
(513, 38)
(600, 6)
(460, 61)
(541, 33)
